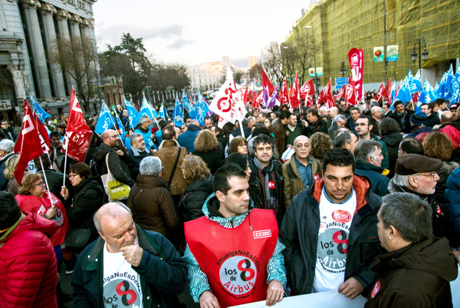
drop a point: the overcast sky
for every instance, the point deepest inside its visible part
(193, 32)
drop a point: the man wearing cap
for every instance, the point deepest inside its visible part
(416, 174)
(418, 125)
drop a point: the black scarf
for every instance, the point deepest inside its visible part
(271, 194)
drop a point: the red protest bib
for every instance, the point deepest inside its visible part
(235, 260)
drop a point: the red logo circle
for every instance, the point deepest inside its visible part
(341, 216)
(271, 185)
(376, 289)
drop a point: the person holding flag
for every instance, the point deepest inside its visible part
(143, 128)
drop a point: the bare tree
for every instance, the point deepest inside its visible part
(254, 72)
(272, 63)
(304, 54)
(78, 61)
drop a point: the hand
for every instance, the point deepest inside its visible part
(289, 146)
(132, 254)
(64, 192)
(351, 288)
(457, 255)
(51, 212)
(305, 123)
(275, 292)
(120, 153)
(208, 300)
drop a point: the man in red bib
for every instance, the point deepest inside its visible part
(233, 254)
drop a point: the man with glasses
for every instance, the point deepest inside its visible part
(300, 171)
(118, 159)
(363, 128)
(417, 174)
(137, 152)
(8, 131)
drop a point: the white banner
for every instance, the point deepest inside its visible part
(336, 299)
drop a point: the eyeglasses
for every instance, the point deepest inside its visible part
(40, 184)
(72, 175)
(432, 174)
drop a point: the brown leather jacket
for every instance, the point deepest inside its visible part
(167, 153)
(277, 128)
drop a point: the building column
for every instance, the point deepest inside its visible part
(62, 17)
(37, 48)
(47, 11)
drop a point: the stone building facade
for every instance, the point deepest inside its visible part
(28, 30)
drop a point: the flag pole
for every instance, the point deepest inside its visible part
(241, 128)
(46, 181)
(65, 158)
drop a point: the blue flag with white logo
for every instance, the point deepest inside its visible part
(41, 114)
(455, 87)
(186, 102)
(119, 124)
(133, 114)
(178, 113)
(427, 96)
(105, 120)
(404, 94)
(146, 109)
(415, 82)
(162, 112)
(200, 110)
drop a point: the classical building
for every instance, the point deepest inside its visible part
(207, 76)
(28, 30)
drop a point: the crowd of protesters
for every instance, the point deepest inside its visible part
(361, 199)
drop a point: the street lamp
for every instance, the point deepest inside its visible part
(314, 55)
(343, 70)
(423, 55)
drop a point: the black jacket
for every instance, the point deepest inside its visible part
(118, 164)
(319, 126)
(256, 189)
(299, 233)
(3, 180)
(392, 141)
(87, 199)
(136, 160)
(379, 182)
(213, 159)
(415, 276)
(193, 197)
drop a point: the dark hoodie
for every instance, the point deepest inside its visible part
(193, 197)
(392, 141)
(415, 276)
(118, 164)
(376, 178)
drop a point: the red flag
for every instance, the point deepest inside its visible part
(284, 97)
(356, 58)
(341, 92)
(78, 135)
(308, 89)
(351, 95)
(326, 95)
(295, 97)
(379, 94)
(387, 91)
(256, 100)
(28, 143)
(266, 82)
(246, 96)
(415, 97)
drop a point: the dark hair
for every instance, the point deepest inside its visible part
(313, 112)
(320, 144)
(285, 114)
(238, 159)
(82, 170)
(162, 124)
(228, 128)
(408, 214)
(354, 108)
(207, 118)
(411, 146)
(261, 139)
(426, 104)
(366, 148)
(45, 161)
(9, 210)
(55, 134)
(222, 175)
(338, 157)
(387, 104)
(389, 126)
(168, 133)
(343, 136)
(237, 141)
(397, 102)
(260, 130)
(433, 104)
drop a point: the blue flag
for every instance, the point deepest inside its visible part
(416, 82)
(455, 87)
(145, 109)
(178, 113)
(200, 111)
(119, 124)
(41, 114)
(404, 94)
(105, 120)
(162, 112)
(133, 114)
(186, 102)
(427, 96)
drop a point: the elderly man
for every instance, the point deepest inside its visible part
(368, 156)
(233, 253)
(143, 128)
(118, 160)
(6, 151)
(345, 139)
(301, 171)
(325, 229)
(417, 175)
(418, 267)
(126, 265)
(137, 152)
